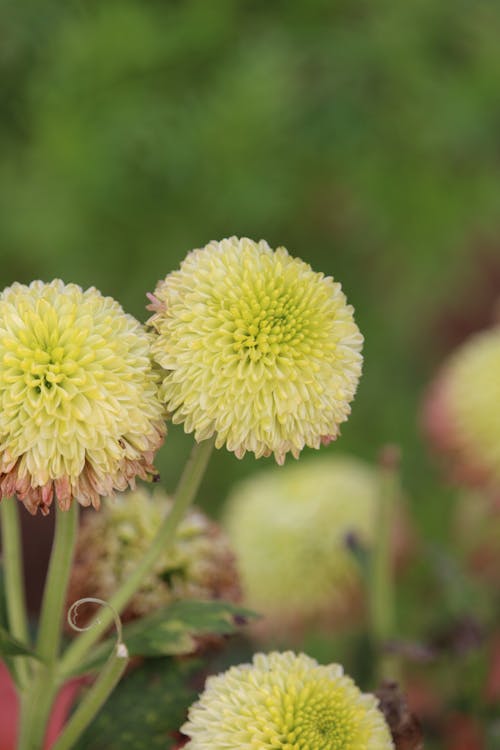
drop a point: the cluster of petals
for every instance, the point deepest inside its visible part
(257, 349)
(291, 529)
(287, 701)
(80, 415)
(462, 411)
(247, 344)
(198, 564)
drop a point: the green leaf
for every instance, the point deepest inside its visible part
(172, 630)
(146, 709)
(10, 646)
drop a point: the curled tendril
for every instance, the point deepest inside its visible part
(121, 649)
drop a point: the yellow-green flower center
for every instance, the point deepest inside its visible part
(78, 393)
(285, 702)
(257, 348)
(313, 718)
(273, 318)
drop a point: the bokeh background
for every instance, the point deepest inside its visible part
(365, 137)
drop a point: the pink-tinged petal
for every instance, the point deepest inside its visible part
(327, 439)
(77, 385)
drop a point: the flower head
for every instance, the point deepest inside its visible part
(198, 565)
(285, 701)
(462, 410)
(80, 412)
(291, 530)
(257, 348)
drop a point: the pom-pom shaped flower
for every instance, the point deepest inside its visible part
(462, 410)
(285, 701)
(199, 564)
(292, 531)
(80, 415)
(257, 348)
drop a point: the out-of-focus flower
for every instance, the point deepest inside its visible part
(80, 415)
(477, 532)
(257, 348)
(292, 532)
(287, 701)
(462, 410)
(198, 565)
(463, 732)
(403, 724)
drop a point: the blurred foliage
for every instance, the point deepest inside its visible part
(363, 136)
(146, 709)
(178, 629)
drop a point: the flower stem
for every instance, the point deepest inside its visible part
(54, 595)
(382, 589)
(14, 581)
(95, 698)
(186, 491)
(36, 703)
(36, 700)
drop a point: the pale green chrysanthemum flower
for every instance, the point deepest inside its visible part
(257, 348)
(291, 530)
(80, 412)
(463, 410)
(199, 564)
(288, 702)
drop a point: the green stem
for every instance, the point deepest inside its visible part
(14, 581)
(37, 700)
(186, 491)
(36, 703)
(382, 588)
(95, 698)
(54, 595)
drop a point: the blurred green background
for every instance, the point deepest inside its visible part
(365, 137)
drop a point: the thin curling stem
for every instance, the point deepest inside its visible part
(14, 581)
(382, 588)
(103, 686)
(186, 491)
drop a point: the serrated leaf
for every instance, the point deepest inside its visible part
(146, 709)
(172, 630)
